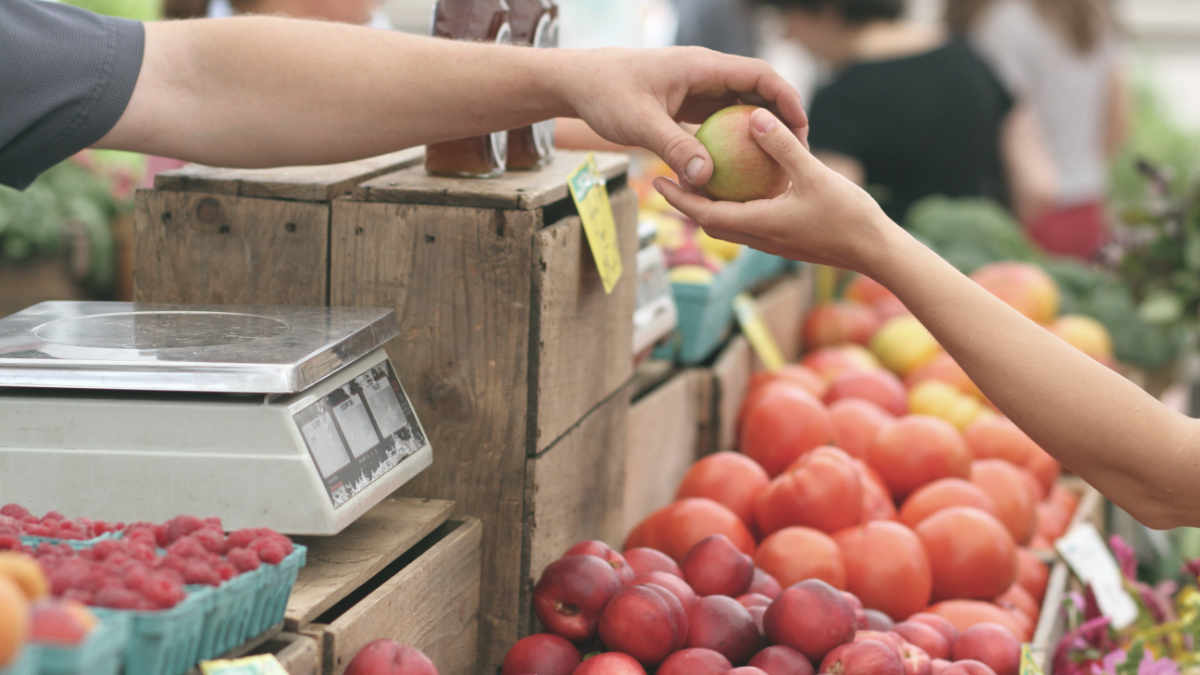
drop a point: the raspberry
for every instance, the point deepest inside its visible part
(181, 526)
(142, 552)
(187, 547)
(172, 562)
(10, 542)
(117, 597)
(269, 551)
(214, 523)
(162, 591)
(136, 578)
(199, 572)
(272, 535)
(243, 559)
(239, 539)
(225, 570)
(67, 575)
(53, 515)
(104, 549)
(79, 595)
(212, 540)
(15, 511)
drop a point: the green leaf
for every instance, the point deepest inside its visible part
(1161, 307)
(1133, 659)
(1191, 253)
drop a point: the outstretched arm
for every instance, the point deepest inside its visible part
(1139, 453)
(261, 91)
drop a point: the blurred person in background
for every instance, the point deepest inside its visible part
(1061, 57)
(361, 12)
(723, 25)
(910, 111)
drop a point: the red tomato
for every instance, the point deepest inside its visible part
(783, 424)
(942, 494)
(877, 386)
(916, 450)
(794, 554)
(676, 528)
(971, 553)
(821, 490)
(1013, 493)
(856, 423)
(886, 567)
(729, 478)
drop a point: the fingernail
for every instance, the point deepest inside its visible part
(762, 121)
(692, 171)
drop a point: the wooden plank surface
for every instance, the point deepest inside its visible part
(198, 248)
(514, 190)
(730, 377)
(339, 564)
(431, 604)
(575, 492)
(1052, 624)
(663, 442)
(584, 336)
(301, 183)
(461, 283)
(298, 654)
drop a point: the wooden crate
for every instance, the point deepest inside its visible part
(512, 353)
(783, 307)
(404, 571)
(665, 426)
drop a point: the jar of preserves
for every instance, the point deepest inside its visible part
(534, 24)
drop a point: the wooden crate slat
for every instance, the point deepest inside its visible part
(431, 604)
(337, 565)
(298, 654)
(576, 492)
(514, 190)
(461, 284)
(202, 248)
(663, 443)
(301, 183)
(577, 320)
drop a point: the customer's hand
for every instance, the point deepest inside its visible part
(639, 97)
(822, 217)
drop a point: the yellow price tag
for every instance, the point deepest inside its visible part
(262, 664)
(590, 193)
(1029, 665)
(756, 332)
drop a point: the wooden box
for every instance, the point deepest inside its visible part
(512, 353)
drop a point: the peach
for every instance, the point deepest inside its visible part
(812, 617)
(869, 657)
(938, 623)
(60, 622)
(1026, 288)
(715, 566)
(679, 614)
(836, 323)
(677, 586)
(926, 637)
(640, 622)
(742, 170)
(829, 362)
(695, 661)
(722, 624)
(644, 560)
(604, 552)
(990, 644)
(610, 663)
(938, 399)
(781, 660)
(968, 667)
(1045, 468)
(967, 613)
(1087, 335)
(1032, 574)
(388, 657)
(544, 653)
(26, 573)
(14, 620)
(764, 584)
(856, 423)
(877, 620)
(571, 594)
(729, 478)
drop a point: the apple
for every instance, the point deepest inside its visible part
(877, 620)
(388, 657)
(715, 566)
(720, 623)
(764, 584)
(812, 617)
(642, 623)
(781, 660)
(938, 623)
(644, 560)
(868, 657)
(695, 661)
(544, 654)
(672, 583)
(742, 171)
(610, 663)
(571, 594)
(604, 552)
(926, 637)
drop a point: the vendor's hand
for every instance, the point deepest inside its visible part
(639, 97)
(822, 217)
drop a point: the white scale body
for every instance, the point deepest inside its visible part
(283, 417)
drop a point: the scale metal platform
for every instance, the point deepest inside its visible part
(283, 417)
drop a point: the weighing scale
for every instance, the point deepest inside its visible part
(283, 417)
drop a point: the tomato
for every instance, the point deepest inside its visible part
(995, 437)
(1045, 468)
(837, 323)
(821, 490)
(1032, 574)
(729, 478)
(856, 423)
(791, 373)
(886, 567)
(1013, 493)
(794, 554)
(677, 527)
(971, 553)
(943, 368)
(942, 494)
(866, 290)
(966, 613)
(829, 362)
(877, 386)
(915, 450)
(784, 423)
(1017, 599)
(877, 501)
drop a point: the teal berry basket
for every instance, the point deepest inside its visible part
(166, 642)
(26, 663)
(755, 267)
(32, 541)
(101, 654)
(705, 318)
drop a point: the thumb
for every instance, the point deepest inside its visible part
(686, 156)
(780, 143)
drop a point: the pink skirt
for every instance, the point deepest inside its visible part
(1077, 231)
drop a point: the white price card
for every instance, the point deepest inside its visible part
(356, 425)
(325, 444)
(1092, 562)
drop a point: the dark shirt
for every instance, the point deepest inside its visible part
(723, 25)
(66, 76)
(920, 125)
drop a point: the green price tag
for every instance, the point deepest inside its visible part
(591, 199)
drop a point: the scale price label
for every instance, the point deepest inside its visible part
(590, 193)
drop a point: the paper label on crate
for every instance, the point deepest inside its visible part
(262, 664)
(590, 193)
(756, 332)
(1084, 550)
(1029, 664)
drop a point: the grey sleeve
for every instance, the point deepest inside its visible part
(66, 76)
